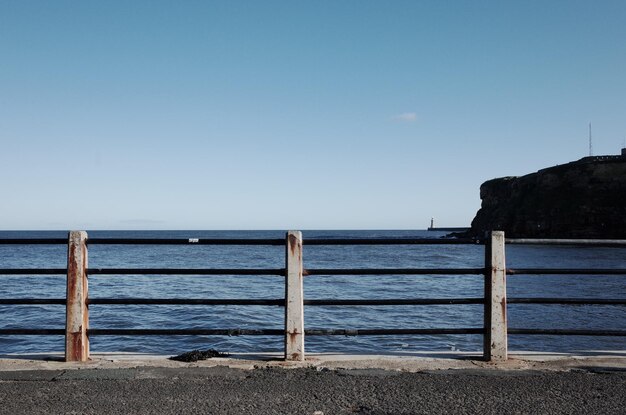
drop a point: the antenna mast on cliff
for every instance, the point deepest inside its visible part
(590, 144)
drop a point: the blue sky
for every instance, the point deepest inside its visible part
(302, 115)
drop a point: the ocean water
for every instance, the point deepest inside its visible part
(316, 287)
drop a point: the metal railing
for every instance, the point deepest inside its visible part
(494, 301)
(566, 271)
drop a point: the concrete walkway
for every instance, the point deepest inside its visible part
(408, 362)
(324, 384)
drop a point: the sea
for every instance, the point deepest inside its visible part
(315, 287)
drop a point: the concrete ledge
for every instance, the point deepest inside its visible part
(408, 362)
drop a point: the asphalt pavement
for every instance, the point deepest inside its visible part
(314, 390)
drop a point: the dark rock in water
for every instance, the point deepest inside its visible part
(582, 199)
(195, 355)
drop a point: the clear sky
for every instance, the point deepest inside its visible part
(301, 115)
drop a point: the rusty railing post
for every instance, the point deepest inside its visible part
(495, 337)
(294, 298)
(77, 312)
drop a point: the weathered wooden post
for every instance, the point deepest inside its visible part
(77, 312)
(495, 338)
(294, 298)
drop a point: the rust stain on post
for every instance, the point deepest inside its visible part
(75, 351)
(293, 243)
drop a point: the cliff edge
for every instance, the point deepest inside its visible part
(581, 199)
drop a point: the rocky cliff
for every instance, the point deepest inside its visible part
(582, 199)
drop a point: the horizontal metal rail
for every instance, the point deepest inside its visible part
(186, 301)
(394, 271)
(184, 241)
(186, 271)
(567, 301)
(392, 241)
(32, 301)
(245, 301)
(185, 332)
(384, 332)
(315, 302)
(33, 271)
(242, 241)
(33, 241)
(273, 332)
(543, 241)
(566, 271)
(253, 271)
(394, 301)
(567, 332)
(313, 241)
(32, 332)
